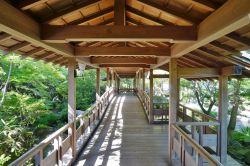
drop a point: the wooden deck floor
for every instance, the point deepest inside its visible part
(125, 138)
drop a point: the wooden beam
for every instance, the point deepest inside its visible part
(172, 12)
(125, 65)
(233, 15)
(160, 76)
(231, 70)
(147, 16)
(122, 51)
(198, 72)
(68, 11)
(120, 12)
(27, 4)
(122, 60)
(67, 33)
(92, 16)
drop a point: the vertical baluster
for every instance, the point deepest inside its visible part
(182, 152)
(39, 158)
(201, 139)
(56, 148)
(193, 128)
(184, 113)
(60, 155)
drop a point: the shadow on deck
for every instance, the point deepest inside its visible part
(125, 137)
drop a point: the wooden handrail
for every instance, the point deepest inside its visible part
(198, 148)
(92, 115)
(200, 113)
(197, 123)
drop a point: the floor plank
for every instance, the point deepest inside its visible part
(125, 138)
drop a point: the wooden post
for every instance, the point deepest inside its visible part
(143, 79)
(173, 97)
(97, 83)
(151, 96)
(108, 78)
(223, 110)
(72, 103)
(134, 84)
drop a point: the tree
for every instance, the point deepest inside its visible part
(206, 93)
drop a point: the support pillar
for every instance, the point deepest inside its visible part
(143, 79)
(223, 110)
(72, 103)
(108, 78)
(97, 83)
(151, 96)
(173, 102)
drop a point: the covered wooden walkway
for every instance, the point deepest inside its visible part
(125, 137)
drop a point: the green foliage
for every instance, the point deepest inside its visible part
(35, 103)
(239, 145)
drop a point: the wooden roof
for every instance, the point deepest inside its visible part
(119, 33)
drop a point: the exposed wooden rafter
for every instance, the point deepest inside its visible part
(17, 47)
(27, 29)
(92, 16)
(27, 4)
(239, 39)
(206, 3)
(147, 16)
(231, 16)
(179, 15)
(75, 8)
(4, 36)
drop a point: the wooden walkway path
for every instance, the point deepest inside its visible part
(125, 138)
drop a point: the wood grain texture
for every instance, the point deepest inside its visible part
(126, 138)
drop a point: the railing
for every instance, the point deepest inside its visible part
(145, 100)
(57, 149)
(126, 90)
(160, 112)
(186, 151)
(190, 115)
